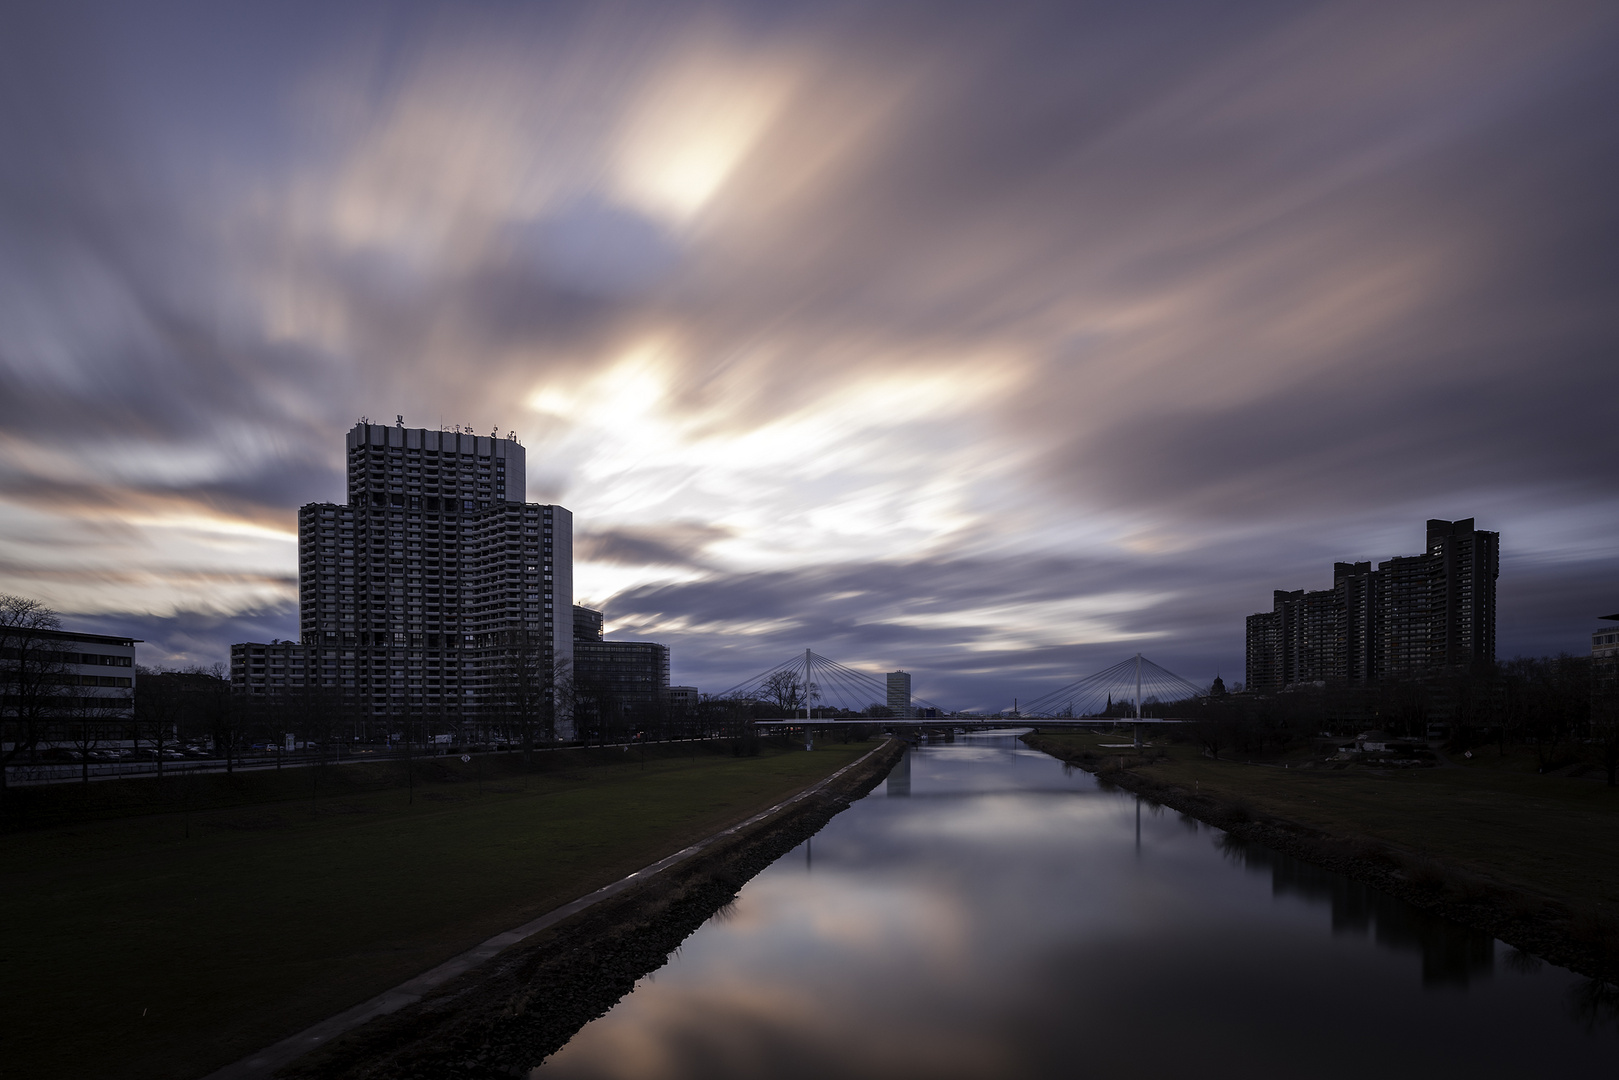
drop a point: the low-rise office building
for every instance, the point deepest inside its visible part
(623, 677)
(59, 686)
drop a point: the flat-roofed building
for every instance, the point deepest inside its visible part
(1605, 658)
(60, 686)
(615, 679)
(433, 590)
(899, 693)
(1413, 615)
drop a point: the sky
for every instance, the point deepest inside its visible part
(991, 341)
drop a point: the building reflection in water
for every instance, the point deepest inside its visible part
(1452, 954)
(899, 778)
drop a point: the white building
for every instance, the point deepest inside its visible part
(72, 679)
(415, 594)
(899, 693)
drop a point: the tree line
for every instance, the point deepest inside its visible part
(1562, 709)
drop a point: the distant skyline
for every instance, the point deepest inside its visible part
(992, 343)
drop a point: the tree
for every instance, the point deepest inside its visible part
(785, 690)
(159, 701)
(213, 711)
(529, 684)
(1605, 732)
(32, 676)
(88, 725)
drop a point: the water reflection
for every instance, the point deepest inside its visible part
(1451, 953)
(988, 914)
(899, 780)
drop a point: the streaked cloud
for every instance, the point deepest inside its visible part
(980, 341)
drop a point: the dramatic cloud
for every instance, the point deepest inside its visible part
(991, 342)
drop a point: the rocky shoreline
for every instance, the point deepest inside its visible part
(504, 1018)
(1549, 927)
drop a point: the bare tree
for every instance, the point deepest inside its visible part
(87, 728)
(159, 703)
(786, 690)
(1605, 732)
(32, 677)
(530, 684)
(215, 711)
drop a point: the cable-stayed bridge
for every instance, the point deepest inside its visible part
(802, 686)
(1135, 679)
(816, 682)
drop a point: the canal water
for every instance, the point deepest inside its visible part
(987, 912)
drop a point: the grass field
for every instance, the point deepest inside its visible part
(1494, 816)
(134, 950)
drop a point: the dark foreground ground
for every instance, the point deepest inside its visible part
(154, 933)
(508, 1016)
(1530, 859)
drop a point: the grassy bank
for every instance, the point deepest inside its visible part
(1527, 857)
(137, 950)
(506, 1016)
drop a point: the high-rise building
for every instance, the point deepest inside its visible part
(1264, 652)
(899, 693)
(1465, 564)
(432, 586)
(1412, 615)
(1360, 621)
(1605, 659)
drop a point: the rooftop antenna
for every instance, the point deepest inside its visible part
(399, 419)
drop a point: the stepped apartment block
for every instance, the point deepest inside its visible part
(1412, 615)
(415, 594)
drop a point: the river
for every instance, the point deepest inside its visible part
(987, 912)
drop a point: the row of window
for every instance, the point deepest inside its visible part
(97, 659)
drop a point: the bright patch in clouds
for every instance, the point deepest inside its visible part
(981, 346)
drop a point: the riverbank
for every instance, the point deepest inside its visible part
(1531, 860)
(170, 944)
(524, 1005)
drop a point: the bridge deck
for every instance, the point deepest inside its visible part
(971, 721)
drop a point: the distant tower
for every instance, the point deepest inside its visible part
(899, 693)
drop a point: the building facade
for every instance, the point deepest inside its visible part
(432, 589)
(617, 677)
(57, 686)
(1605, 658)
(899, 693)
(1412, 615)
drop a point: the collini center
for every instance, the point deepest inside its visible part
(418, 595)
